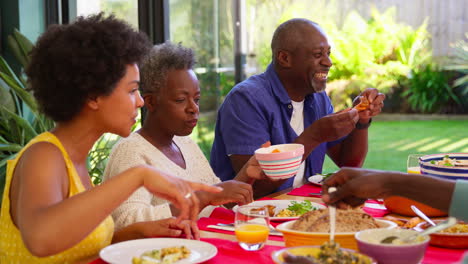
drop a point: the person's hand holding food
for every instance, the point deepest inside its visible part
(369, 103)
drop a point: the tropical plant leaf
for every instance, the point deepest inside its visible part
(20, 91)
(16, 49)
(5, 68)
(24, 44)
(10, 147)
(21, 123)
(6, 99)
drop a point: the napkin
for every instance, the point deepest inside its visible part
(305, 190)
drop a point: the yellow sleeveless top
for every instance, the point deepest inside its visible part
(12, 249)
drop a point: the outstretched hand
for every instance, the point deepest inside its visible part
(177, 191)
(233, 192)
(354, 186)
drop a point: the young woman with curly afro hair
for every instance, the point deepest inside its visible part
(85, 77)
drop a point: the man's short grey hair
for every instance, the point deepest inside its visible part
(162, 59)
(288, 35)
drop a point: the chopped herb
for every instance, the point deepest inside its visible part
(301, 208)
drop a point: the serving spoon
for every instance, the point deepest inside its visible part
(441, 226)
(422, 215)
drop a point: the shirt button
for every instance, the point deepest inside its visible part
(289, 106)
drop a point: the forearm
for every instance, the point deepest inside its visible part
(308, 139)
(90, 208)
(130, 232)
(432, 191)
(262, 188)
(353, 149)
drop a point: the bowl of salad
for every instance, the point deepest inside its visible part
(445, 165)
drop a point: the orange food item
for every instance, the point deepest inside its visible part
(412, 222)
(363, 104)
(276, 151)
(401, 205)
(398, 221)
(252, 233)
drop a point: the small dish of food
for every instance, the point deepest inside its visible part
(370, 243)
(326, 253)
(452, 237)
(445, 165)
(318, 178)
(284, 210)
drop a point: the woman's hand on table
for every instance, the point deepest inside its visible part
(355, 186)
(169, 227)
(233, 192)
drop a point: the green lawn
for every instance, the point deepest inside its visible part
(390, 142)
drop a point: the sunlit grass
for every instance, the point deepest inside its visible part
(390, 142)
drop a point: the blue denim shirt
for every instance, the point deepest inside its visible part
(259, 110)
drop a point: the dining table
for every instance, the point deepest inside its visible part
(228, 250)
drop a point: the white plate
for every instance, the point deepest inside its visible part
(316, 179)
(280, 205)
(123, 252)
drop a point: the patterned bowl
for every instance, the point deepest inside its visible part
(447, 172)
(280, 161)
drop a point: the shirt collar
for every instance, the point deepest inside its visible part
(278, 89)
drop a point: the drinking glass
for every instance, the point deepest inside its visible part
(252, 227)
(412, 164)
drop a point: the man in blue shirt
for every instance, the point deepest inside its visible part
(288, 103)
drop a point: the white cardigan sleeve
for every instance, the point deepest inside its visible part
(137, 207)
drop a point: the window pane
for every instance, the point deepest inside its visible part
(206, 27)
(123, 9)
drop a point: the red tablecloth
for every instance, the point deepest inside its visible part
(231, 252)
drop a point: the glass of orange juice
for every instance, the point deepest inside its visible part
(412, 164)
(252, 227)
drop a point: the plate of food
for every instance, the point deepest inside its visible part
(284, 210)
(158, 250)
(452, 237)
(318, 179)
